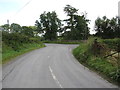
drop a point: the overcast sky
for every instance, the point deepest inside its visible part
(26, 12)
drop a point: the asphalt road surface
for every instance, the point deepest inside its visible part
(51, 67)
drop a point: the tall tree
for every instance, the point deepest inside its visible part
(81, 27)
(71, 12)
(77, 24)
(107, 28)
(98, 28)
(49, 25)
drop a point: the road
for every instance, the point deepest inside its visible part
(51, 67)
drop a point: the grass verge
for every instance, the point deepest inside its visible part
(63, 42)
(9, 53)
(84, 55)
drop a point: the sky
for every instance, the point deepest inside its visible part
(26, 12)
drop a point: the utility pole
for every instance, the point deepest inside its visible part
(8, 25)
(119, 12)
(8, 21)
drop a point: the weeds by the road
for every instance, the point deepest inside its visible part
(9, 53)
(85, 55)
(14, 44)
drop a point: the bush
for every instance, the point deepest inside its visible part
(34, 40)
(14, 44)
(112, 43)
(15, 40)
(84, 55)
(9, 53)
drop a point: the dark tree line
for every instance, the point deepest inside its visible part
(75, 27)
(15, 36)
(49, 25)
(107, 28)
(29, 31)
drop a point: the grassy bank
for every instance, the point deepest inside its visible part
(9, 53)
(15, 44)
(84, 54)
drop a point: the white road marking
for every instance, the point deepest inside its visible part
(54, 77)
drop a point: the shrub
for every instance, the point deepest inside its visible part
(15, 40)
(112, 43)
(84, 54)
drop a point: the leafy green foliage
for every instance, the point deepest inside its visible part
(6, 27)
(112, 43)
(15, 28)
(28, 31)
(85, 56)
(49, 25)
(107, 28)
(71, 11)
(76, 24)
(14, 40)
(17, 40)
(9, 53)
(14, 44)
(62, 42)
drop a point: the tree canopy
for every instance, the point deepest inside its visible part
(75, 27)
(76, 24)
(49, 24)
(107, 28)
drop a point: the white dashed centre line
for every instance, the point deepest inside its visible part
(54, 77)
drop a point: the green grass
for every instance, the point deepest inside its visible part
(63, 42)
(84, 55)
(8, 53)
(112, 43)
